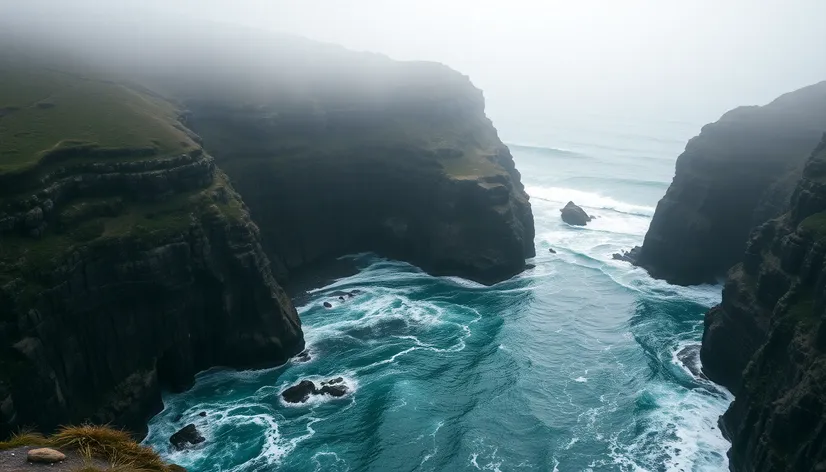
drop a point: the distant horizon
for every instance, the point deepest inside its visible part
(587, 64)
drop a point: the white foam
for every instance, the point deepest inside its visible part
(315, 400)
(586, 200)
(580, 379)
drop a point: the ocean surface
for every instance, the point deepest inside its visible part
(570, 366)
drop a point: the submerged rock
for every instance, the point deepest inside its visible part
(328, 305)
(188, 435)
(574, 215)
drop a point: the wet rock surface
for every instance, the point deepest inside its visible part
(302, 391)
(185, 437)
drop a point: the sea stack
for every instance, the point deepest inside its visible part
(575, 215)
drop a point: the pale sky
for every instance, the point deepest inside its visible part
(661, 59)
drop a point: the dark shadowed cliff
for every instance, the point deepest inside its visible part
(338, 152)
(766, 341)
(128, 263)
(129, 257)
(413, 170)
(739, 172)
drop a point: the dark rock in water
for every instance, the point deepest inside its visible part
(188, 435)
(739, 172)
(350, 295)
(341, 298)
(178, 418)
(530, 266)
(303, 356)
(299, 393)
(551, 250)
(574, 215)
(202, 414)
(328, 305)
(338, 390)
(628, 256)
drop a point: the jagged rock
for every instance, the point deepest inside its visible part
(628, 256)
(737, 174)
(186, 436)
(45, 455)
(202, 414)
(300, 392)
(574, 215)
(764, 341)
(333, 390)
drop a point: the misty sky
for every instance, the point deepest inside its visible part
(558, 60)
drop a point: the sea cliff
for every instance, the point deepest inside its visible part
(737, 173)
(766, 341)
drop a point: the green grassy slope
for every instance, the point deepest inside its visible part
(57, 126)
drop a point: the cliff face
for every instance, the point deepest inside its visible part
(127, 262)
(766, 341)
(739, 172)
(410, 168)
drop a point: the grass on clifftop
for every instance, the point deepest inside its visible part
(41, 108)
(815, 225)
(117, 448)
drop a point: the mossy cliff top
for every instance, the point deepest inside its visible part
(84, 160)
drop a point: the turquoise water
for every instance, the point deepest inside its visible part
(571, 366)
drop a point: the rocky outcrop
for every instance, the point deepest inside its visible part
(739, 172)
(574, 215)
(186, 436)
(302, 391)
(413, 171)
(766, 341)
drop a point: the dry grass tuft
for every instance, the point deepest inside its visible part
(24, 438)
(114, 446)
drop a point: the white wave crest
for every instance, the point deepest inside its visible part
(587, 200)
